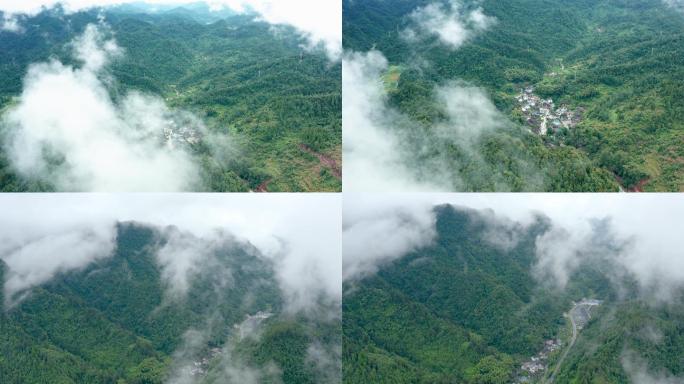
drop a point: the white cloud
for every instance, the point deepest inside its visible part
(67, 115)
(386, 150)
(44, 234)
(377, 231)
(451, 24)
(180, 258)
(36, 260)
(319, 21)
(10, 23)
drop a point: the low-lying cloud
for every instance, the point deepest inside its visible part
(66, 130)
(638, 371)
(324, 29)
(375, 157)
(387, 150)
(10, 23)
(451, 23)
(376, 232)
(33, 260)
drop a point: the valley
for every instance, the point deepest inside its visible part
(469, 309)
(610, 69)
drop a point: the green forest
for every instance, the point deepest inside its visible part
(618, 61)
(280, 104)
(113, 322)
(465, 310)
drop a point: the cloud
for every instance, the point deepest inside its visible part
(180, 259)
(319, 21)
(561, 251)
(66, 130)
(33, 260)
(42, 235)
(636, 234)
(10, 23)
(233, 370)
(451, 23)
(376, 232)
(218, 365)
(374, 158)
(387, 150)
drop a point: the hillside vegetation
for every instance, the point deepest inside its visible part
(619, 61)
(118, 321)
(278, 104)
(466, 310)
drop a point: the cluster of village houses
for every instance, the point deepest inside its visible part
(542, 115)
(176, 135)
(200, 367)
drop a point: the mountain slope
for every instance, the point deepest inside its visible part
(468, 308)
(121, 320)
(257, 89)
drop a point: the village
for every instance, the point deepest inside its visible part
(542, 115)
(200, 367)
(534, 369)
(176, 135)
(537, 364)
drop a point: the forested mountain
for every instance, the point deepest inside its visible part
(254, 85)
(467, 309)
(122, 320)
(617, 64)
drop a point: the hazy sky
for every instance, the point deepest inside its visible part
(42, 234)
(320, 21)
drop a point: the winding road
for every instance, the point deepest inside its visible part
(583, 318)
(567, 350)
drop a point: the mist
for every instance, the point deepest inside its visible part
(67, 131)
(451, 23)
(375, 156)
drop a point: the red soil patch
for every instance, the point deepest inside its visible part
(263, 187)
(325, 160)
(639, 187)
